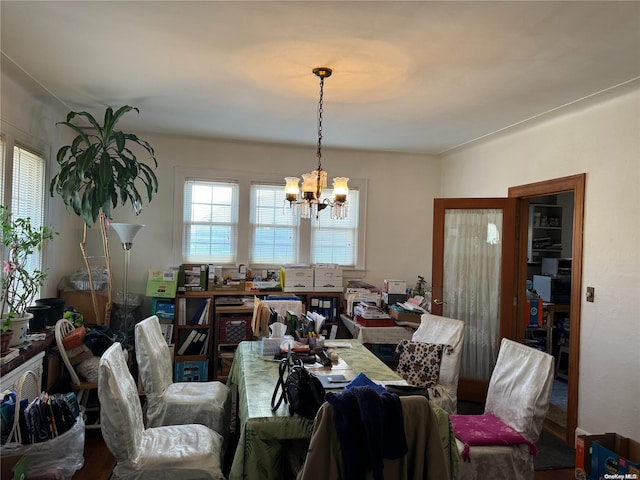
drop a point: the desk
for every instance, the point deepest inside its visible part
(30, 351)
(551, 309)
(262, 444)
(376, 335)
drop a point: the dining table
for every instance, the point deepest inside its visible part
(269, 440)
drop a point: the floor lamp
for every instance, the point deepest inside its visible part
(126, 232)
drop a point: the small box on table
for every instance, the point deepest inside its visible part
(394, 286)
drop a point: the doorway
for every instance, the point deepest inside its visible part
(571, 353)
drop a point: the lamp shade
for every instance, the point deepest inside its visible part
(126, 231)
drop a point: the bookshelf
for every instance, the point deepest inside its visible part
(193, 336)
(224, 326)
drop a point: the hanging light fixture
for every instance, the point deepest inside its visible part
(310, 201)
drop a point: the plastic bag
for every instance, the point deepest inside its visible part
(63, 454)
(101, 337)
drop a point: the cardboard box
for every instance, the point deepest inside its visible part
(374, 322)
(405, 317)
(327, 279)
(394, 286)
(615, 454)
(606, 454)
(196, 371)
(296, 279)
(14, 467)
(162, 283)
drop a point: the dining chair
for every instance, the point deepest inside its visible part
(80, 385)
(169, 403)
(424, 459)
(501, 442)
(448, 332)
(187, 452)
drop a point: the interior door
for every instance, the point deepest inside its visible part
(474, 280)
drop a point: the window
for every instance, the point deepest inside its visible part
(274, 230)
(23, 181)
(230, 218)
(210, 222)
(336, 241)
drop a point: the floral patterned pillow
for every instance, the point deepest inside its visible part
(419, 362)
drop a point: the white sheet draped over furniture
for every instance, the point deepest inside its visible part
(519, 393)
(168, 403)
(446, 331)
(185, 452)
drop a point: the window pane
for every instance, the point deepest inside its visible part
(274, 227)
(336, 241)
(210, 222)
(27, 198)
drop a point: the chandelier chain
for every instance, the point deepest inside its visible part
(320, 110)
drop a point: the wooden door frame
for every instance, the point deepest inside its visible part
(575, 184)
(471, 389)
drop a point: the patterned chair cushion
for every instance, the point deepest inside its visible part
(486, 429)
(419, 363)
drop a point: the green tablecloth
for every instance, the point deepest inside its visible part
(263, 442)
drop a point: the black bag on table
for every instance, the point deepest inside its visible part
(301, 390)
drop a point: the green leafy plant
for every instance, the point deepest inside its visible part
(20, 285)
(99, 170)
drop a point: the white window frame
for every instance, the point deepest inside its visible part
(231, 224)
(245, 179)
(10, 141)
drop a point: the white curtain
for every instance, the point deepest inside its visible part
(472, 265)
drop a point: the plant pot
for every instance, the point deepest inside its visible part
(5, 339)
(19, 326)
(57, 308)
(40, 318)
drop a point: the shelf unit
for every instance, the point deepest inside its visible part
(545, 232)
(192, 351)
(232, 326)
(214, 362)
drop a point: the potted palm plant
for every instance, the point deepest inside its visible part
(20, 284)
(99, 170)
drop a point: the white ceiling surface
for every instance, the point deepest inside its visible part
(420, 77)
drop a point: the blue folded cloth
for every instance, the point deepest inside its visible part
(361, 380)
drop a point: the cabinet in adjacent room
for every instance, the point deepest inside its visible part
(545, 232)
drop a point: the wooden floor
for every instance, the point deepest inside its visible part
(99, 462)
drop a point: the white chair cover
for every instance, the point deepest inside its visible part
(519, 393)
(446, 331)
(207, 403)
(163, 453)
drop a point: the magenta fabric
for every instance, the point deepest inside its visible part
(484, 430)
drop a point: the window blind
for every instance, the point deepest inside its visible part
(274, 229)
(210, 222)
(336, 241)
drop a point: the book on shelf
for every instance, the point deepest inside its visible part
(167, 332)
(185, 345)
(204, 344)
(200, 317)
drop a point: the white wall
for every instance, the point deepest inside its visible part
(602, 139)
(31, 123)
(400, 187)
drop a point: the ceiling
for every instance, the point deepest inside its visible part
(415, 76)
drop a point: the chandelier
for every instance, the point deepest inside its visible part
(310, 202)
